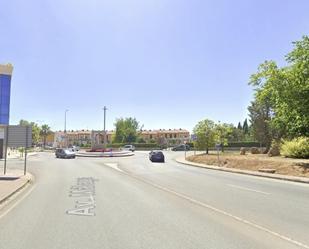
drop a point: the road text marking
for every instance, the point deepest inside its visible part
(85, 191)
(114, 166)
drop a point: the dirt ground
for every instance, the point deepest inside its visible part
(284, 166)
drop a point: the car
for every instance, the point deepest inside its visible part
(156, 156)
(181, 147)
(128, 147)
(64, 153)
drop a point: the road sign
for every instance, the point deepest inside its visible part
(193, 137)
(19, 136)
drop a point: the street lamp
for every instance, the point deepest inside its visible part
(104, 143)
(65, 127)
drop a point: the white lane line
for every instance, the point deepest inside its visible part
(248, 189)
(222, 212)
(114, 166)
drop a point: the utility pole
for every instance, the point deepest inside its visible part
(65, 127)
(104, 143)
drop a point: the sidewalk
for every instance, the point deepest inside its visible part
(12, 182)
(182, 160)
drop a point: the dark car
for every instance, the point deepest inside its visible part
(64, 153)
(156, 156)
(181, 147)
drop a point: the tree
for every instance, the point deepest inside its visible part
(260, 118)
(126, 130)
(236, 135)
(45, 131)
(287, 91)
(239, 127)
(245, 127)
(205, 134)
(222, 133)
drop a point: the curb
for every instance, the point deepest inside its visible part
(29, 180)
(245, 172)
(104, 155)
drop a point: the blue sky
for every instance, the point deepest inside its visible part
(169, 63)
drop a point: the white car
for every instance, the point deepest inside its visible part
(128, 147)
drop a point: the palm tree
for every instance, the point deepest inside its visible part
(45, 131)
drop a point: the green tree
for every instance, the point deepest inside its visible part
(45, 131)
(205, 134)
(245, 127)
(237, 135)
(239, 127)
(260, 118)
(287, 90)
(126, 130)
(222, 133)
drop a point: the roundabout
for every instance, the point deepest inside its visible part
(105, 154)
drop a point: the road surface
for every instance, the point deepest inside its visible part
(117, 203)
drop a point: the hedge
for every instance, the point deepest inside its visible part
(137, 145)
(243, 144)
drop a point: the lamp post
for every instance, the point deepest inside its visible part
(104, 143)
(65, 127)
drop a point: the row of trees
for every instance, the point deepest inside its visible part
(207, 131)
(39, 133)
(208, 134)
(280, 108)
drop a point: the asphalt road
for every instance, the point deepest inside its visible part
(132, 203)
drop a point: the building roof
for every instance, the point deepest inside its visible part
(6, 69)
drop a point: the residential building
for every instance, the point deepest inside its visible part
(80, 137)
(91, 137)
(170, 136)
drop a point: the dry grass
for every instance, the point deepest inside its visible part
(284, 166)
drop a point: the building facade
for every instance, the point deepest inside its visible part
(80, 138)
(5, 93)
(166, 136)
(92, 138)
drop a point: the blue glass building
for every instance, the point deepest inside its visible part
(5, 93)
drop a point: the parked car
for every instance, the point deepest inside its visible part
(156, 156)
(128, 147)
(64, 153)
(181, 147)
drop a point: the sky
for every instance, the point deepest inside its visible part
(168, 63)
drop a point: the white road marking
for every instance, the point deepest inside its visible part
(217, 210)
(248, 189)
(114, 166)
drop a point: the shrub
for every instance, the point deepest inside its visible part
(243, 144)
(242, 151)
(255, 150)
(296, 148)
(274, 149)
